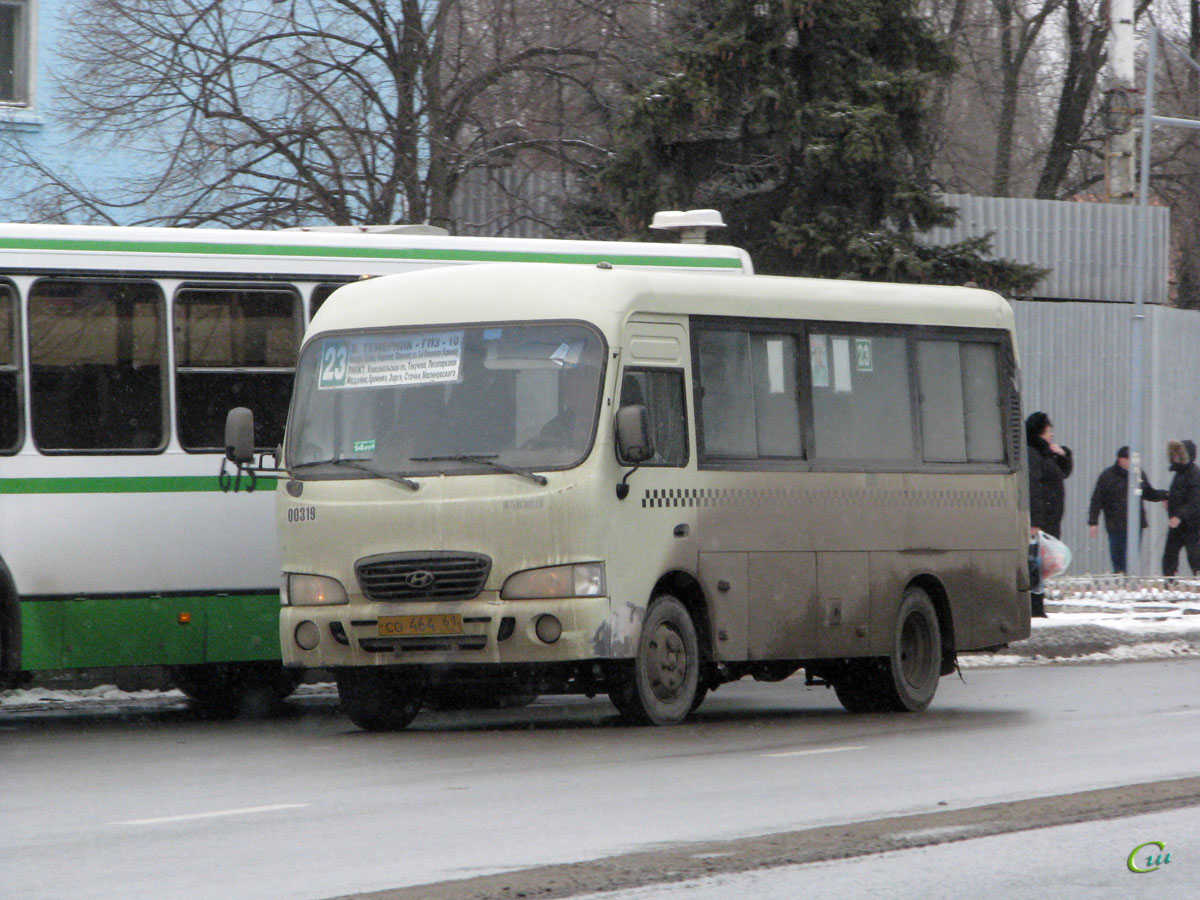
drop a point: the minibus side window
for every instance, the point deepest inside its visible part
(981, 402)
(661, 392)
(941, 390)
(862, 406)
(748, 395)
(961, 414)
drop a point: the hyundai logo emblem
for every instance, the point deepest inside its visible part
(420, 579)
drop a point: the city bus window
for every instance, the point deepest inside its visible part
(234, 347)
(661, 392)
(97, 354)
(862, 408)
(749, 405)
(10, 407)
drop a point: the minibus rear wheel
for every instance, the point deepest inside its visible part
(662, 683)
(915, 664)
(906, 679)
(380, 698)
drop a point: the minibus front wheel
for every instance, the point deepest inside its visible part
(225, 690)
(661, 684)
(380, 698)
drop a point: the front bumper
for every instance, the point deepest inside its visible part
(493, 631)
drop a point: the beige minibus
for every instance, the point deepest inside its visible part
(518, 479)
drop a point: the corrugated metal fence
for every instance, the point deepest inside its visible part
(1090, 248)
(1075, 367)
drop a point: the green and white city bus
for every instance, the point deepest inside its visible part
(121, 350)
(584, 479)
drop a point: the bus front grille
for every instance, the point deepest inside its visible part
(427, 575)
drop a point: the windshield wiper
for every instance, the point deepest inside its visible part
(484, 460)
(358, 464)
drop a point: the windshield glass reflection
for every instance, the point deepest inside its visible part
(470, 399)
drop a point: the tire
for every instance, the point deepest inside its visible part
(662, 684)
(906, 679)
(225, 690)
(915, 665)
(859, 687)
(620, 675)
(380, 698)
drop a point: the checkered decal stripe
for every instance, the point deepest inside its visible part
(861, 497)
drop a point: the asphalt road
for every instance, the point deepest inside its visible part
(151, 802)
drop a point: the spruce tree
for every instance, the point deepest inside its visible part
(801, 121)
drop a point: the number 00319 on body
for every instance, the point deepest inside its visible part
(419, 626)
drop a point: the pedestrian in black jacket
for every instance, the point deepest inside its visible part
(1049, 465)
(1111, 497)
(1183, 508)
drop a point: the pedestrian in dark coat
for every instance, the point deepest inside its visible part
(1049, 465)
(1111, 497)
(1183, 508)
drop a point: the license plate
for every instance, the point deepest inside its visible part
(420, 626)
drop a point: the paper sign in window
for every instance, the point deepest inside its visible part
(775, 379)
(390, 361)
(818, 357)
(841, 366)
(863, 358)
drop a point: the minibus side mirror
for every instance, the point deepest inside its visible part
(634, 443)
(239, 436)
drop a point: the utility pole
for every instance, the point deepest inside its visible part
(1120, 104)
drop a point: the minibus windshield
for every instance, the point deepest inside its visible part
(453, 400)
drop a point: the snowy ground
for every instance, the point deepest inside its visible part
(1092, 626)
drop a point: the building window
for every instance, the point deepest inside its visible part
(14, 52)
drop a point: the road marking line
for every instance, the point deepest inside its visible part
(212, 815)
(1182, 712)
(813, 752)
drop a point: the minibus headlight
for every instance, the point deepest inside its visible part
(314, 590)
(579, 580)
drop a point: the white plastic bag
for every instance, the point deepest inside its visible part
(1055, 556)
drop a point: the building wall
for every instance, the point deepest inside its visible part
(510, 202)
(40, 126)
